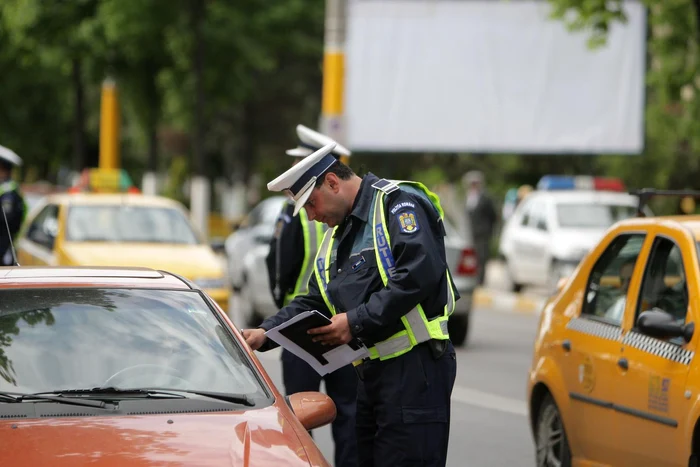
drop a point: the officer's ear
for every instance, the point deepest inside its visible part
(333, 182)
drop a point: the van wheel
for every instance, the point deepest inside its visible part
(458, 327)
(551, 441)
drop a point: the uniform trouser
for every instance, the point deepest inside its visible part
(341, 386)
(403, 409)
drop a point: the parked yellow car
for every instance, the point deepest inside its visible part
(614, 378)
(88, 228)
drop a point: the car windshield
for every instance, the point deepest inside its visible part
(133, 224)
(592, 215)
(61, 339)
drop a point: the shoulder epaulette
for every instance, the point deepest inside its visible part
(387, 186)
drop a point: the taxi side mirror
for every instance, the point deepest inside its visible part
(313, 409)
(657, 323)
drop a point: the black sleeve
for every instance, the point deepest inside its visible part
(416, 239)
(313, 300)
(286, 255)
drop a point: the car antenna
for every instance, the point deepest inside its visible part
(12, 246)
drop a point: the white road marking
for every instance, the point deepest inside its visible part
(489, 401)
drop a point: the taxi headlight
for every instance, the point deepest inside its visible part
(211, 283)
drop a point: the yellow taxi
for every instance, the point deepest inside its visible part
(105, 221)
(614, 379)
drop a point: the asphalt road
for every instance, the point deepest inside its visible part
(489, 415)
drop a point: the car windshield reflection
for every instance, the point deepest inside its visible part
(124, 223)
(61, 339)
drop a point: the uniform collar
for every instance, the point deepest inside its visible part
(363, 200)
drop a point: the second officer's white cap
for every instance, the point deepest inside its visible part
(311, 141)
(299, 181)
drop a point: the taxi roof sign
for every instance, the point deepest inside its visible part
(102, 180)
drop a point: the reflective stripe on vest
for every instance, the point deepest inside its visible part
(313, 232)
(418, 328)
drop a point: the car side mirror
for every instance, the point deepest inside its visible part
(313, 409)
(657, 323)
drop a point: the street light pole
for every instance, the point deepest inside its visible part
(332, 118)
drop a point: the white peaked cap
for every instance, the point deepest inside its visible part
(310, 141)
(8, 155)
(299, 181)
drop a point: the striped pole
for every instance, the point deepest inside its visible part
(332, 121)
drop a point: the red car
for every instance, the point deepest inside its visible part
(137, 367)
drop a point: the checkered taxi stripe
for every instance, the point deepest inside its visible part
(595, 328)
(634, 339)
(658, 347)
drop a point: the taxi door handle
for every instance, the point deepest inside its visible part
(622, 363)
(566, 344)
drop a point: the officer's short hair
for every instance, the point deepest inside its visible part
(341, 170)
(5, 165)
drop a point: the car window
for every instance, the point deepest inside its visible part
(606, 293)
(44, 227)
(584, 215)
(271, 210)
(664, 285)
(125, 223)
(526, 212)
(58, 339)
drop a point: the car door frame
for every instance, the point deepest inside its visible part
(590, 347)
(650, 361)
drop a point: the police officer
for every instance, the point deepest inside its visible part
(12, 204)
(290, 263)
(381, 276)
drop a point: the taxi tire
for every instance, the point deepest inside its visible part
(550, 412)
(458, 327)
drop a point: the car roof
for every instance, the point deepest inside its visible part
(687, 223)
(113, 198)
(88, 276)
(566, 196)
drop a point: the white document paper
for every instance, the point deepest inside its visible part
(324, 359)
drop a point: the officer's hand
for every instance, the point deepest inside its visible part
(336, 333)
(255, 338)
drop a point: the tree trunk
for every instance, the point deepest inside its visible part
(79, 117)
(196, 16)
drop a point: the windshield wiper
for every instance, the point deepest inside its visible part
(22, 397)
(240, 399)
(104, 392)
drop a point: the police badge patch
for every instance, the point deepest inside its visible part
(408, 222)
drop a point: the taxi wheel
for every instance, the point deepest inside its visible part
(458, 327)
(551, 442)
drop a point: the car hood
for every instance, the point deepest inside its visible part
(253, 438)
(190, 261)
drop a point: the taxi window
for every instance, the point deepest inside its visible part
(606, 293)
(664, 285)
(124, 223)
(44, 227)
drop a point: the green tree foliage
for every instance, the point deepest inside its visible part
(672, 111)
(259, 75)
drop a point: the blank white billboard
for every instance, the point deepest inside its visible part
(490, 76)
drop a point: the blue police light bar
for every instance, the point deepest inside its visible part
(556, 182)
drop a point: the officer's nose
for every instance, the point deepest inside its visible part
(310, 213)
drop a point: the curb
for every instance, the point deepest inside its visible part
(500, 300)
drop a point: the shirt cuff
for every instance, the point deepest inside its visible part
(355, 321)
